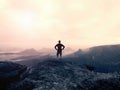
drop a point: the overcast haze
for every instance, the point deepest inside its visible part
(41, 23)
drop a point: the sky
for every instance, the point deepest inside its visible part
(41, 23)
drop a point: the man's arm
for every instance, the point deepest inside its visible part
(63, 47)
(56, 47)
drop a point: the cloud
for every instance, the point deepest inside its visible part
(80, 21)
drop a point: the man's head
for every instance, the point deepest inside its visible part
(59, 41)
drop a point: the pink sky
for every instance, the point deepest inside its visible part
(41, 23)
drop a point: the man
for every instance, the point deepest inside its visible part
(59, 47)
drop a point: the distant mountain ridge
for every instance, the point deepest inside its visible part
(101, 52)
(29, 52)
(104, 58)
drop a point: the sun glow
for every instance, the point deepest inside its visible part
(25, 20)
(26, 23)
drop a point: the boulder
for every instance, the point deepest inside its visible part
(10, 72)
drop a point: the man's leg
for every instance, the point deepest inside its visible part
(61, 54)
(57, 54)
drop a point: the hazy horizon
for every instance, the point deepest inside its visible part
(41, 23)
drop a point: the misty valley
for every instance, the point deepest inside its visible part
(96, 68)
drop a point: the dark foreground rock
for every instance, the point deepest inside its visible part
(63, 75)
(11, 72)
(55, 74)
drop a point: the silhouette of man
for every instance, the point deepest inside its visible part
(59, 47)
